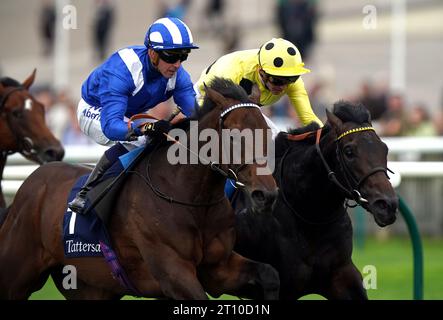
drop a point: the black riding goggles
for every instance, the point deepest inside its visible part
(173, 56)
(281, 81)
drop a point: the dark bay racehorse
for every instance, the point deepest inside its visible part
(308, 237)
(168, 249)
(22, 126)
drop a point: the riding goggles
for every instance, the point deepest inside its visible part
(281, 81)
(173, 56)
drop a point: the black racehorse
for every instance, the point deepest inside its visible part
(308, 236)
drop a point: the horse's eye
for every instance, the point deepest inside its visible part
(348, 152)
(18, 113)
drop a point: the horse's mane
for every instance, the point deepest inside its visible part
(226, 88)
(9, 82)
(351, 112)
(346, 111)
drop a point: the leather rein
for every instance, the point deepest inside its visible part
(229, 173)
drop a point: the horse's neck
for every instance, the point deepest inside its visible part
(7, 139)
(199, 183)
(306, 183)
(206, 180)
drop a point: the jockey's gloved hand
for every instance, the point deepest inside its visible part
(156, 129)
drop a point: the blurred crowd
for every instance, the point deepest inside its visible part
(391, 113)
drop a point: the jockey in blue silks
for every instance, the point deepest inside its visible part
(132, 81)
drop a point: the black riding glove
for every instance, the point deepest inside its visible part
(156, 129)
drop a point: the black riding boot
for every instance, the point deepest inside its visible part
(78, 204)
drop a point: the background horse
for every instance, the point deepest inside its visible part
(22, 126)
(178, 248)
(308, 237)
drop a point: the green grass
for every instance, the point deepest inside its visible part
(394, 264)
(392, 259)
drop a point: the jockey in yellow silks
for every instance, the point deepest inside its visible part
(275, 68)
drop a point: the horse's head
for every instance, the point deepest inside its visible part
(245, 136)
(23, 127)
(362, 161)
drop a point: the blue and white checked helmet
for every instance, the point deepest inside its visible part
(169, 34)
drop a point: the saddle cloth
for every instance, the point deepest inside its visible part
(82, 233)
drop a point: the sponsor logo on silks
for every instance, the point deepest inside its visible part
(90, 114)
(79, 246)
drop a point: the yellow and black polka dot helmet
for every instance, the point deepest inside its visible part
(279, 57)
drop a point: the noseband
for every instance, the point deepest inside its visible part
(25, 144)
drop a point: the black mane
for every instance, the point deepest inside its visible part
(310, 127)
(9, 82)
(226, 88)
(350, 112)
(345, 110)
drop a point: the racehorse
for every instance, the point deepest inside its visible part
(178, 245)
(308, 236)
(22, 126)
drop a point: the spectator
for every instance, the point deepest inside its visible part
(394, 122)
(178, 11)
(47, 26)
(103, 23)
(373, 100)
(297, 20)
(419, 122)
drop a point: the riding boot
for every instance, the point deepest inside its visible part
(78, 204)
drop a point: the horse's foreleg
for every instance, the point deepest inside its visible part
(176, 276)
(346, 284)
(21, 275)
(82, 291)
(241, 277)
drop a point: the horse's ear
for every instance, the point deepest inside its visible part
(216, 97)
(334, 121)
(30, 80)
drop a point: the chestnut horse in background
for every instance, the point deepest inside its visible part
(22, 126)
(172, 228)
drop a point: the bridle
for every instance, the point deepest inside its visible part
(25, 144)
(227, 173)
(353, 184)
(231, 174)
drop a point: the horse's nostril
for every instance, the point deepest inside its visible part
(258, 195)
(381, 204)
(386, 204)
(264, 198)
(54, 154)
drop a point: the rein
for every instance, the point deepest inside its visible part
(229, 174)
